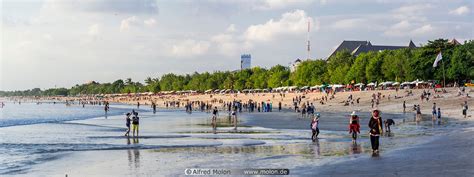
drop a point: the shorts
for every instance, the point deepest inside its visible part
(434, 113)
(134, 127)
(464, 112)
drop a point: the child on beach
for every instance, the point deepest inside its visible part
(439, 116)
(354, 126)
(315, 127)
(127, 123)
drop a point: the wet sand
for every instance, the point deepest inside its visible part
(188, 142)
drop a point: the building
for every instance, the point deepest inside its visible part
(294, 65)
(245, 61)
(357, 47)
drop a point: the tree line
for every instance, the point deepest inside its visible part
(400, 65)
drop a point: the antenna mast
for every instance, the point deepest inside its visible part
(308, 42)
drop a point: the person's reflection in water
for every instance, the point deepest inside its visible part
(355, 148)
(136, 153)
(316, 148)
(129, 153)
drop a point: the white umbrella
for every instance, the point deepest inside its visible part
(371, 84)
(359, 84)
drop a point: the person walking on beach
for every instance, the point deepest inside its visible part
(375, 126)
(127, 123)
(404, 106)
(215, 113)
(279, 106)
(439, 116)
(464, 109)
(135, 123)
(315, 127)
(433, 112)
(354, 128)
(234, 117)
(153, 106)
(418, 113)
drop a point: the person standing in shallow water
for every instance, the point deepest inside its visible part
(135, 123)
(127, 123)
(215, 113)
(375, 126)
(315, 127)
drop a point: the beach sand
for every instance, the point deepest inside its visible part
(172, 141)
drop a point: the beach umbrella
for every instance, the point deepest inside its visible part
(371, 84)
(396, 83)
(359, 85)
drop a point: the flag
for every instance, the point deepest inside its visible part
(438, 58)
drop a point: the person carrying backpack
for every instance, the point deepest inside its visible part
(135, 123)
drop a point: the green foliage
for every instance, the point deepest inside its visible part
(310, 73)
(394, 65)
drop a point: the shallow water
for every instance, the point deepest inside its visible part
(36, 138)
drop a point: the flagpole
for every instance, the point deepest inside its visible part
(444, 78)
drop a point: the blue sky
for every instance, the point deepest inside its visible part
(48, 43)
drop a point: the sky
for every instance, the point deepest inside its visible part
(61, 43)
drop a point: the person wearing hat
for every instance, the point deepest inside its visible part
(354, 117)
(375, 126)
(354, 126)
(315, 127)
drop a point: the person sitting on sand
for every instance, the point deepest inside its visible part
(315, 127)
(135, 122)
(127, 123)
(375, 126)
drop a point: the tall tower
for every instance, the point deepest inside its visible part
(245, 61)
(308, 42)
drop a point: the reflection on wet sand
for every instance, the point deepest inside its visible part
(135, 159)
(311, 150)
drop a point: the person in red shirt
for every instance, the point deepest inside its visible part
(354, 127)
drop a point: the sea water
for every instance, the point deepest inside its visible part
(34, 135)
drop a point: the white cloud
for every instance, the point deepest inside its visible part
(423, 30)
(93, 30)
(295, 22)
(226, 44)
(406, 28)
(150, 22)
(231, 28)
(460, 10)
(348, 23)
(415, 12)
(126, 23)
(280, 4)
(190, 48)
(398, 29)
